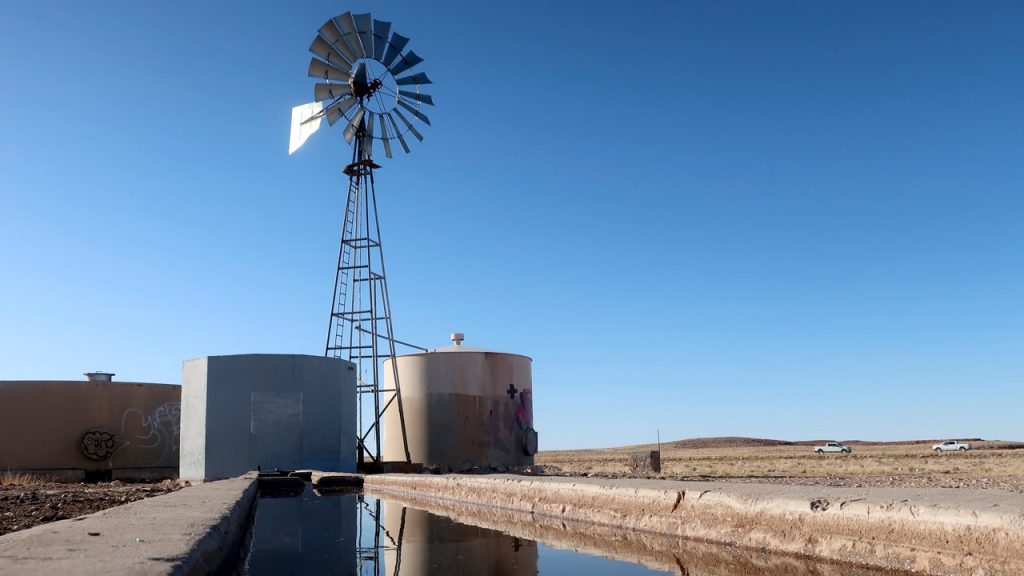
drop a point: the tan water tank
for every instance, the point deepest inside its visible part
(463, 407)
(427, 544)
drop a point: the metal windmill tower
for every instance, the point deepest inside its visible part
(364, 76)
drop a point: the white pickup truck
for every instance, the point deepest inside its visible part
(833, 447)
(951, 445)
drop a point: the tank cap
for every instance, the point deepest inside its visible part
(458, 337)
(99, 376)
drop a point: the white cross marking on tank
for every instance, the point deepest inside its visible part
(511, 391)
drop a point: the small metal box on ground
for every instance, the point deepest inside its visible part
(645, 462)
(284, 411)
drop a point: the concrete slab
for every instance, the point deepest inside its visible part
(196, 530)
(324, 480)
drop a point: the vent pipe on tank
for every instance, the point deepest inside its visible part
(99, 376)
(458, 337)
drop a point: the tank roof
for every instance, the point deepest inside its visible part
(458, 347)
(462, 350)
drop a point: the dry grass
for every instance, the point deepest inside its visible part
(989, 461)
(15, 478)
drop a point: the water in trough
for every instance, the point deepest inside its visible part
(352, 533)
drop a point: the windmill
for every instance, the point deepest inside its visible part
(367, 80)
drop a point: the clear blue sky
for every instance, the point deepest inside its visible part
(777, 219)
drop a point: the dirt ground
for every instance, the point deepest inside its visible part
(29, 503)
(991, 465)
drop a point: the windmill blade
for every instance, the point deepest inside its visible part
(364, 23)
(384, 136)
(398, 133)
(333, 115)
(409, 125)
(368, 135)
(302, 128)
(343, 47)
(323, 92)
(425, 98)
(414, 112)
(417, 78)
(349, 34)
(330, 32)
(360, 76)
(353, 124)
(343, 104)
(320, 69)
(395, 47)
(325, 51)
(381, 29)
(405, 62)
(337, 110)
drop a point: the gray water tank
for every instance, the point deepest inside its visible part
(286, 411)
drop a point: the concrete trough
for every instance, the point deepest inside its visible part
(201, 529)
(949, 532)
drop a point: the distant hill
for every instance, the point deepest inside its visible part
(743, 442)
(716, 442)
(725, 442)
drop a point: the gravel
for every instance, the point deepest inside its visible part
(25, 506)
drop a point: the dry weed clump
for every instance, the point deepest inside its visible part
(16, 478)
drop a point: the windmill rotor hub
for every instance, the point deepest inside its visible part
(374, 87)
(364, 91)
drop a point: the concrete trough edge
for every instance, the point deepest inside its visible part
(935, 531)
(221, 546)
(199, 529)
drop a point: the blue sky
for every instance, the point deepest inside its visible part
(777, 219)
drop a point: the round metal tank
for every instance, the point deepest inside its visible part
(463, 407)
(430, 544)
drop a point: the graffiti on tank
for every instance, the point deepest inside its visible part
(523, 416)
(158, 431)
(510, 414)
(98, 444)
